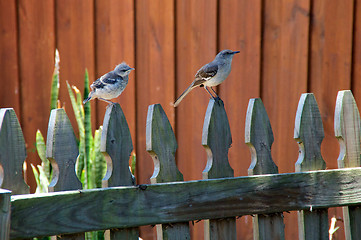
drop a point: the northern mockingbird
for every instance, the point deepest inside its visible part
(211, 74)
(111, 84)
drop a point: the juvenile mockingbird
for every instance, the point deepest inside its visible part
(111, 84)
(211, 74)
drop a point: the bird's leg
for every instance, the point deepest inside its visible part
(216, 94)
(110, 102)
(209, 92)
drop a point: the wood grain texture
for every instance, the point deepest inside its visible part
(356, 56)
(12, 153)
(240, 28)
(347, 131)
(217, 139)
(309, 135)
(284, 70)
(162, 145)
(155, 61)
(196, 45)
(114, 43)
(62, 151)
(116, 146)
(242, 33)
(36, 47)
(330, 62)
(119, 207)
(284, 76)
(10, 93)
(155, 72)
(259, 138)
(5, 197)
(74, 29)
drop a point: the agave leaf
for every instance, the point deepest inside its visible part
(87, 128)
(41, 150)
(37, 179)
(44, 182)
(55, 82)
(99, 165)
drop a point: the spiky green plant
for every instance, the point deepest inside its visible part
(91, 165)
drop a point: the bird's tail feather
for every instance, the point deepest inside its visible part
(88, 99)
(184, 94)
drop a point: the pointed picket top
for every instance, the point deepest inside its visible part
(116, 145)
(259, 138)
(12, 153)
(161, 145)
(62, 151)
(347, 130)
(216, 139)
(309, 134)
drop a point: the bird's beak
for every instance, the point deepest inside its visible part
(235, 52)
(130, 69)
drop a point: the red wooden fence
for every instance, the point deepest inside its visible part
(287, 47)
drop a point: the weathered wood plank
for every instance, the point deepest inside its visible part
(5, 197)
(259, 138)
(347, 131)
(120, 207)
(9, 55)
(12, 153)
(116, 145)
(217, 139)
(162, 145)
(309, 135)
(62, 152)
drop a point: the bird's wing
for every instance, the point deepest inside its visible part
(109, 78)
(207, 71)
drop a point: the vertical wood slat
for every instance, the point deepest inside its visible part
(347, 131)
(74, 31)
(330, 61)
(162, 145)
(10, 92)
(309, 134)
(5, 197)
(259, 138)
(12, 153)
(116, 145)
(62, 152)
(114, 43)
(217, 139)
(36, 45)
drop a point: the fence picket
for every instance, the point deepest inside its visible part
(259, 138)
(5, 197)
(12, 153)
(162, 145)
(116, 145)
(62, 151)
(309, 134)
(217, 140)
(347, 131)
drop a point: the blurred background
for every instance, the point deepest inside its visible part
(287, 47)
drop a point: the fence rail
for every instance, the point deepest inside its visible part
(123, 206)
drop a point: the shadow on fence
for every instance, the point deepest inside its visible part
(169, 202)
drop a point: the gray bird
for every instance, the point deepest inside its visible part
(211, 74)
(111, 84)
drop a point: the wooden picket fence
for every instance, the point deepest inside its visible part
(122, 207)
